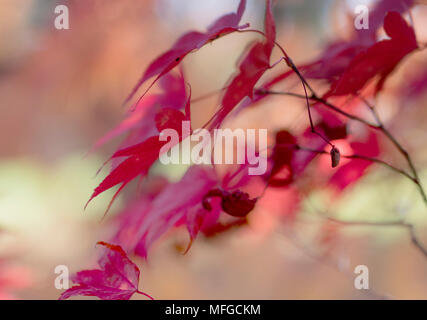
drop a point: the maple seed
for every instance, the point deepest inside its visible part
(238, 204)
(335, 157)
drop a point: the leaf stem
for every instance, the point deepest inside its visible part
(145, 294)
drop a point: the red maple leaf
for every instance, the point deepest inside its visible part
(378, 60)
(252, 66)
(187, 43)
(140, 122)
(140, 157)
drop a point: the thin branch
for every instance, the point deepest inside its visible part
(357, 156)
(313, 130)
(372, 109)
(380, 127)
(320, 100)
(396, 223)
(208, 95)
(399, 147)
(304, 83)
(410, 227)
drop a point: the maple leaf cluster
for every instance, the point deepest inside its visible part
(207, 201)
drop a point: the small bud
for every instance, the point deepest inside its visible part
(238, 204)
(335, 157)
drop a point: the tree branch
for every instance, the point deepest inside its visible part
(410, 227)
(397, 223)
(399, 147)
(320, 100)
(357, 156)
(314, 97)
(380, 127)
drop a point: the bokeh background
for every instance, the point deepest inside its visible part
(61, 90)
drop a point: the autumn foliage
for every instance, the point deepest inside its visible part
(349, 75)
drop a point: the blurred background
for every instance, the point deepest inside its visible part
(61, 90)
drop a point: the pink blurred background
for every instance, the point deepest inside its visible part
(61, 90)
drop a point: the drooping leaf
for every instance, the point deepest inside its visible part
(140, 122)
(177, 204)
(186, 44)
(140, 157)
(251, 67)
(116, 279)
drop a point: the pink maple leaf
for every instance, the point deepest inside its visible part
(117, 278)
(177, 204)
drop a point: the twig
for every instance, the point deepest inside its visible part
(399, 223)
(304, 83)
(410, 227)
(401, 149)
(208, 95)
(380, 127)
(320, 100)
(357, 156)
